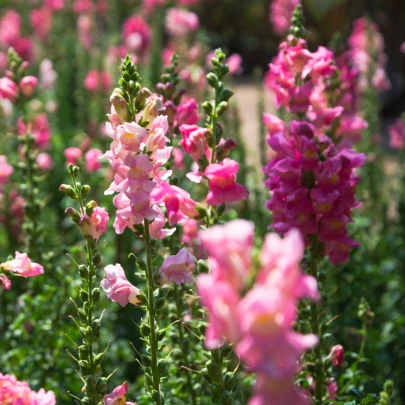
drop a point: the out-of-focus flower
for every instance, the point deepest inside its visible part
(21, 265)
(8, 89)
(234, 63)
(397, 134)
(177, 268)
(92, 159)
(47, 75)
(27, 85)
(136, 34)
(41, 22)
(73, 155)
(337, 355)
(96, 81)
(180, 22)
(38, 127)
(281, 12)
(55, 5)
(44, 161)
(6, 170)
(118, 288)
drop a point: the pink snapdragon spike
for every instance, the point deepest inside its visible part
(73, 155)
(229, 249)
(337, 355)
(397, 134)
(117, 287)
(91, 159)
(95, 225)
(320, 203)
(14, 392)
(22, 266)
(8, 89)
(44, 161)
(136, 34)
(117, 397)
(177, 268)
(222, 183)
(365, 40)
(180, 22)
(6, 170)
(221, 300)
(281, 12)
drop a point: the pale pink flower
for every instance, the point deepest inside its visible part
(229, 248)
(5, 283)
(8, 89)
(38, 128)
(73, 155)
(85, 30)
(118, 288)
(221, 300)
(47, 74)
(95, 225)
(22, 266)
(222, 183)
(92, 159)
(27, 85)
(177, 268)
(156, 228)
(180, 22)
(44, 161)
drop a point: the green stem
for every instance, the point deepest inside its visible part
(316, 328)
(184, 351)
(151, 316)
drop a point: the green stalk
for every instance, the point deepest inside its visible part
(151, 317)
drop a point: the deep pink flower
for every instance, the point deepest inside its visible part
(234, 63)
(73, 155)
(8, 89)
(10, 28)
(41, 22)
(44, 161)
(82, 6)
(91, 81)
(221, 301)
(229, 248)
(180, 22)
(92, 160)
(55, 4)
(22, 266)
(222, 183)
(118, 288)
(95, 225)
(194, 142)
(117, 397)
(178, 202)
(137, 34)
(337, 355)
(177, 268)
(27, 85)
(187, 113)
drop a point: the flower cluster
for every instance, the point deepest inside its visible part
(281, 12)
(397, 134)
(313, 187)
(14, 392)
(259, 323)
(367, 48)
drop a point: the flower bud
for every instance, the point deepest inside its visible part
(119, 103)
(27, 85)
(90, 208)
(68, 190)
(73, 214)
(154, 107)
(337, 355)
(143, 95)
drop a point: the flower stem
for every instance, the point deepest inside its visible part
(153, 343)
(316, 326)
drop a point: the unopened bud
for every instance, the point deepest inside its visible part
(119, 103)
(143, 95)
(68, 190)
(90, 208)
(73, 214)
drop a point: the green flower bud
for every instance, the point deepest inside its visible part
(96, 294)
(73, 214)
(83, 352)
(145, 330)
(68, 190)
(84, 191)
(84, 295)
(101, 385)
(222, 107)
(212, 79)
(146, 360)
